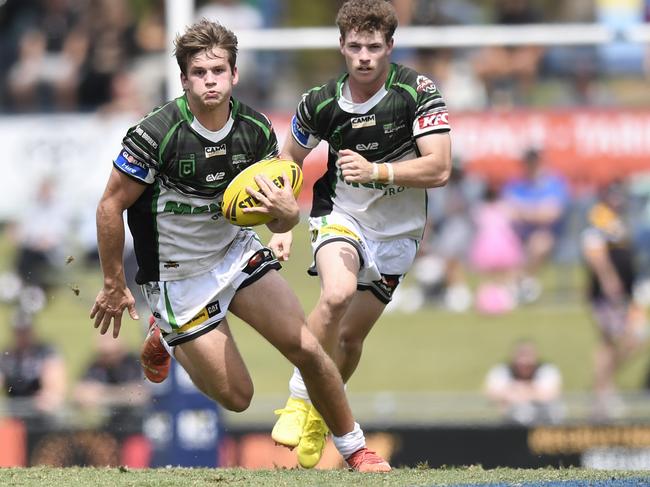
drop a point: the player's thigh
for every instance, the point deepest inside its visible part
(362, 314)
(215, 364)
(338, 263)
(271, 307)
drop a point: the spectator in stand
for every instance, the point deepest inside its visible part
(46, 74)
(539, 200)
(113, 382)
(496, 253)
(609, 257)
(526, 389)
(39, 235)
(32, 374)
(509, 72)
(440, 267)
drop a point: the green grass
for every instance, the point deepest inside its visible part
(430, 350)
(39, 476)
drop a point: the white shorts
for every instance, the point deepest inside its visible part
(383, 262)
(187, 308)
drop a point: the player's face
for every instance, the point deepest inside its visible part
(367, 56)
(209, 80)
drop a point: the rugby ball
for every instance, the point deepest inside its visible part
(235, 197)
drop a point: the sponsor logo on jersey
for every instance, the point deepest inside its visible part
(299, 132)
(367, 147)
(128, 164)
(365, 121)
(146, 137)
(179, 208)
(210, 310)
(219, 150)
(440, 119)
(170, 264)
(389, 128)
(211, 178)
(425, 84)
(335, 230)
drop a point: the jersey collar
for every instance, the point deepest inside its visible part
(343, 94)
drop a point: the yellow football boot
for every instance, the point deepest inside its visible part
(289, 427)
(313, 439)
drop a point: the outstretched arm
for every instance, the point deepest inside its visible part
(120, 193)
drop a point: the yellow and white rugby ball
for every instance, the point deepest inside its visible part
(235, 197)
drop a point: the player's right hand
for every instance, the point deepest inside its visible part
(109, 306)
(280, 244)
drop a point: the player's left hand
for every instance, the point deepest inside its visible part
(354, 167)
(276, 202)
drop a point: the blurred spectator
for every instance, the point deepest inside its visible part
(32, 374)
(440, 267)
(526, 389)
(496, 253)
(109, 29)
(611, 270)
(39, 236)
(539, 201)
(51, 51)
(509, 72)
(113, 384)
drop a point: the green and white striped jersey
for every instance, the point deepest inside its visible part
(383, 129)
(177, 226)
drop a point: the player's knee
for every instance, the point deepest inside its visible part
(351, 345)
(337, 300)
(305, 353)
(237, 401)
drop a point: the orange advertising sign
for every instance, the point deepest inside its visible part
(586, 145)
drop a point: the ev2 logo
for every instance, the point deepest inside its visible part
(367, 147)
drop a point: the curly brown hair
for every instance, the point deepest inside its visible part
(367, 16)
(202, 36)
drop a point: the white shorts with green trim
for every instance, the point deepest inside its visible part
(188, 308)
(383, 262)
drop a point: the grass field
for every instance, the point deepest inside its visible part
(429, 350)
(237, 477)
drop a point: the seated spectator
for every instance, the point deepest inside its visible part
(539, 201)
(45, 76)
(510, 72)
(440, 267)
(32, 374)
(113, 384)
(526, 389)
(496, 253)
(609, 258)
(39, 234)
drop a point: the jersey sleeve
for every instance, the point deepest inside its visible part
(303, 123)
(268, 141)
(139, 155)
(431, 115)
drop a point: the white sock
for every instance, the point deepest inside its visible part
(350, 442)
(297, 386)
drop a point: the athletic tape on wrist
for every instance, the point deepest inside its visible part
(375, 172)
(391, 173)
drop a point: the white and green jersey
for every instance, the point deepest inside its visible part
(383, 129)
(177, 225)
